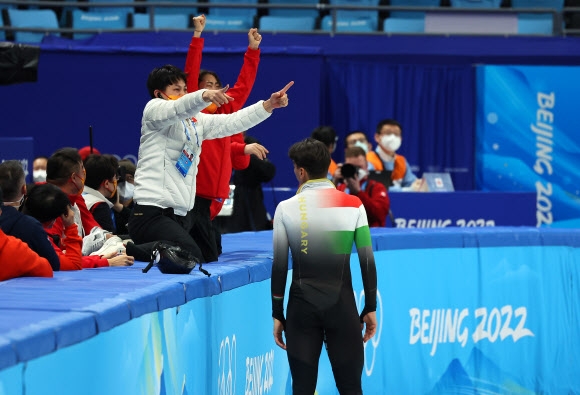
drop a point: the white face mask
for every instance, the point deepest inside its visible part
(364, 146)
(391, 142)
(361, 174)
(125, 190)
(39, 175)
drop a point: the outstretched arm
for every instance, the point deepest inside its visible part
(245, 82)
(193, 60)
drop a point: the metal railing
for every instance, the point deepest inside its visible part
(150, 6)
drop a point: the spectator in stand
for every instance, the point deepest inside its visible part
(17, 259)
(39, 169)
(327, 135)
(13, 222)
(88, 150)
(372, 194)
(45, 203)
(388, 136)
(358, 138)
(65, 169)
(124, 195)
(100, 187)
(219, 156)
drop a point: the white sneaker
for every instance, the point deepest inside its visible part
(93, 241)
(113, 244)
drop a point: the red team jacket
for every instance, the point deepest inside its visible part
(18, 260)
(219, 156)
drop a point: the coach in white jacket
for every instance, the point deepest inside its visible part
(172, 131)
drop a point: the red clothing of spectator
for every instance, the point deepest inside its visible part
(87, 218)
(375, 199)
(18, 260)
(72, 243)
(219, 156)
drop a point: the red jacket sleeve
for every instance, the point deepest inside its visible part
(72, 244)
(376, 200)
(193, 63)
(18, 260)
(243, 86)
(240, 161)
(92, 261)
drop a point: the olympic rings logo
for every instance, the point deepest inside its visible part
(227, 366)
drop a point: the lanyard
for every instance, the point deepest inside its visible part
(187, 132)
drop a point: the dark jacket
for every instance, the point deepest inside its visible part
(249, 212)
(29, 230)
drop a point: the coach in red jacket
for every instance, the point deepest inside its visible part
(219, 156)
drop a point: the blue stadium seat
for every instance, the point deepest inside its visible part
(293, 12)
(178, 21)
(287, 23)
(476, 3)
(31, 18)
(371, 15)
(187, 11)
(412, 3)
(236, 12)
(557, 4)
(228, 23)
(108, 10)
(97, 20)
(2, 34)
(404, 25)
(535, 24)
(359, 25)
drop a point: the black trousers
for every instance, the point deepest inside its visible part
(306, 328)
(150, 224)
(203, 231)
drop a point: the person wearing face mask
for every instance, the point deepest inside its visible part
(327, 135)
(372, 194)
(388, 137)
(66, 170)
(39, 169)
(126, 185)
(100, 188)
(172, 133)
(14, 222)
(358, 138)
(222, 155)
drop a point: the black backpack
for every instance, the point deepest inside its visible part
(172, 259)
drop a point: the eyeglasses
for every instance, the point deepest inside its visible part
(354, 141)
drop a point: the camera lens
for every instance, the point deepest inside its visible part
(348, 170)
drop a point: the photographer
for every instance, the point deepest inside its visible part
(352, 178)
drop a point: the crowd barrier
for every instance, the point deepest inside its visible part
(444, 209)
(460, 310)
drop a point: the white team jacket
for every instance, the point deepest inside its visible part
(157, 180)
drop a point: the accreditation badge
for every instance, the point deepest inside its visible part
(185, 160)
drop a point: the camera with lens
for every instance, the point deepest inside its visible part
(348, 171)
(121, 173)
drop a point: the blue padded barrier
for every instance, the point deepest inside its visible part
(7, 352)
(35, 333)
(40, 316)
